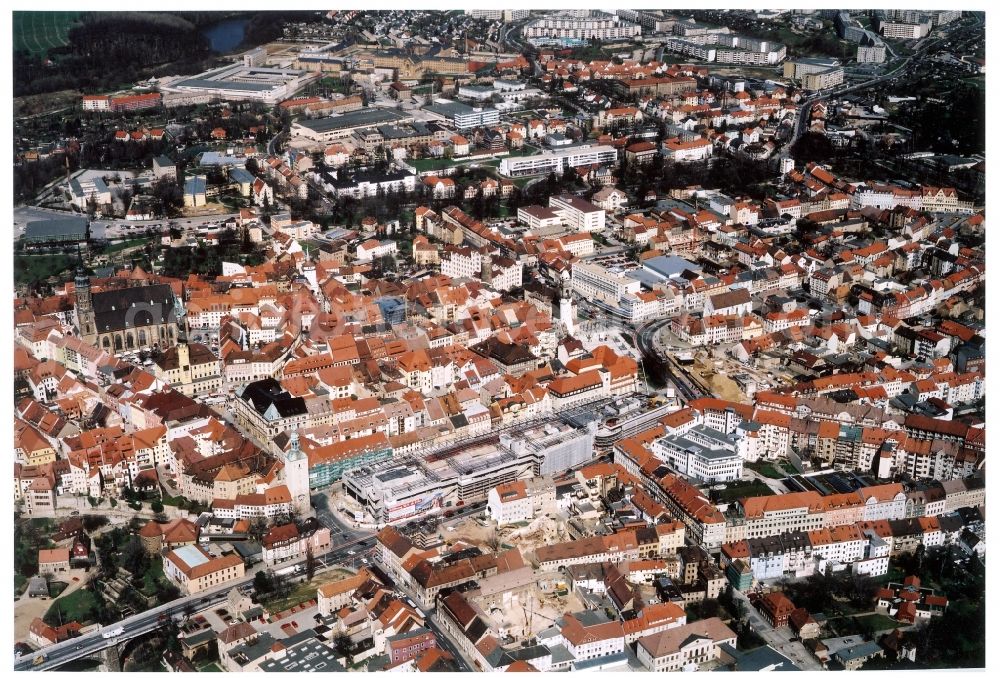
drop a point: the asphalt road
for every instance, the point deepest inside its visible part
(780, 639)
(144, 622)
(648, 345)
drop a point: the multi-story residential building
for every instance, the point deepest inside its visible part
(577, 213)
(776, 608)
(505, 15)
(648, 20)
(503, 273)
(96, 102)
(883, 502)
(871, 50)
(567, 29)
(287, 542)
(461, 262)
(592, 281)
(265, 409)
(135, 102)
(769, 516)
(905, 31)
(816, 81)
(558, 160)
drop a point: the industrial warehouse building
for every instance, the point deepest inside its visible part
(67, 229)
(343, 126)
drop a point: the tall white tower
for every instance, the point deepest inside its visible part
(567, 309)
(309, 272)
(297, 475)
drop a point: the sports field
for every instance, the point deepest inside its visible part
(38, 32)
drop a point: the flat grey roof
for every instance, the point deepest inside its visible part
(195, 185)
(227, 84)
(241, 175)
(57, 228)
(451, 108)
(366, 117)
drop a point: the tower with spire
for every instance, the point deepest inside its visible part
(297, 475)
(84, 307)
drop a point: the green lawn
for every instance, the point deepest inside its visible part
(20, 584)
(869, 623)
(766, 469)
(152, 575)
(30, 269)
(877, 622)
(174, 501)
(38, 32)
(426, 164)
(77, 606)
(738, 490)
(300, 594)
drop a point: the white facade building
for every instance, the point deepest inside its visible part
(577, 213)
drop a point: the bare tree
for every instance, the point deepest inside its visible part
(493, 541)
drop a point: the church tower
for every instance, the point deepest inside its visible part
(567, 309)
(85, 309)
(184, 362)
(297, 475)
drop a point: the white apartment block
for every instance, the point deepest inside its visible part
(577, 213)
(505, 15)
(464, 262)
(647, 305)
(97, 103)
(698, 50)
(373, 249)
(505, 274)
(886, 197)
(871, 53)
(557, 161)
(747, 57)
(565, 27)
(536, 217)
(578, 244)
(905, 31)
(596, 282)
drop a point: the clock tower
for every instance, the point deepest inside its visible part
(297, 476)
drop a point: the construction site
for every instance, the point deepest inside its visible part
(526, 614)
